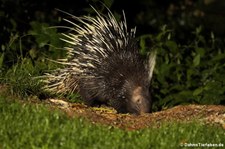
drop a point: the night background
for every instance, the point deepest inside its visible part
(188, 35)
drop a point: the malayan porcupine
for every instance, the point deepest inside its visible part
(104, 65)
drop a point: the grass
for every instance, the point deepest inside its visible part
(22, 78)
(35, 126)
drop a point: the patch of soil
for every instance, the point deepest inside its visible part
(209, 114)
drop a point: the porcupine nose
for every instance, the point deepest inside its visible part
(144, 106)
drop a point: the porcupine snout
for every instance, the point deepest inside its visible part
(140, 101)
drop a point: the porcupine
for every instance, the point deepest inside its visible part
(104, 65)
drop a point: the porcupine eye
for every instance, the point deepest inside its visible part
(138, 101)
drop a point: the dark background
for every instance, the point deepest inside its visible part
(147, 15)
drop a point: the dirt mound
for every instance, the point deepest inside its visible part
(210, 114)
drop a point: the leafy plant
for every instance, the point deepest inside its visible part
(191, 73)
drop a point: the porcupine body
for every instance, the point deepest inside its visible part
(104, 65)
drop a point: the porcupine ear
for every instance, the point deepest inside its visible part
(151, 63)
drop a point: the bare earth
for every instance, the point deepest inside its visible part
(209, 114)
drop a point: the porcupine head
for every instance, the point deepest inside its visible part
(104, 65)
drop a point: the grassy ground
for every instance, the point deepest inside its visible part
(35, 126)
